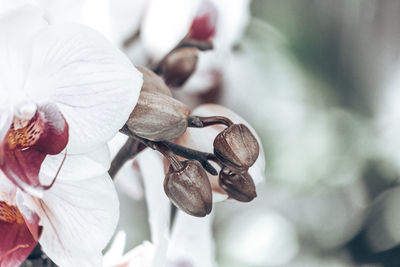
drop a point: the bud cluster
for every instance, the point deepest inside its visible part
(237, 150)
(158, 118)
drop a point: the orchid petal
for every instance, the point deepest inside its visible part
(233, 17)
(204, 23)
(78, 218)
(65, 166)
(189, 247)
(17, 27)
(6, 117)
(141, 255)
(165, 24)
(94, 85)
(158, 205)
(24, 148)
(128, 180)
(19, 234)
(116, 250)
(126, 16)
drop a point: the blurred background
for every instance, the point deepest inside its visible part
(320, 83)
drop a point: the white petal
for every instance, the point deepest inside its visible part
(158, 204)
(116, 143)
(140, 256)
(95, 14)
(116, 250)
(191, 242)
(17, 27)
(6, 118)
(165, 24)
(75, 167)
(7, 190)
(94, 84)
(128, 181)
(78, 218)
(233, 17)
(126, 16)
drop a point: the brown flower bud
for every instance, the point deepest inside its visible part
(189, 189)
(153, 83)
(179, 65)
(236, 146)
(158, 117)
(239, 186)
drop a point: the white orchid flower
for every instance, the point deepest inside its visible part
(62, 87)
(73, 221)
(64, 92)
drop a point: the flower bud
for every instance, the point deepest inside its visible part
(239, 186)
(153, 83)
(189, 189)
(158, 117)
(236, 146)
(179, 65)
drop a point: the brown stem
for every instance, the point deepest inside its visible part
(200, 122)
(130, 149)
(186, 42)
(201, 45)
(159, 146)
(131, 39)
(169, 150)
(188, 153)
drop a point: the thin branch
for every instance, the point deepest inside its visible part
(129, 150)
(188, 153)
(200, 45)
(200, 122)
(185, 152)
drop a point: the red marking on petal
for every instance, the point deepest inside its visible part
(23, 150)
(17, 238)
(204, 24)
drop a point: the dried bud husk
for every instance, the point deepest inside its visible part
(158, 117)
(236, 146)
(153, 83)
(179, 66)
(239, 186)
(189, 189)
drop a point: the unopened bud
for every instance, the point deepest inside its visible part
(179, 66)
(239, 186)
(153, 83)
(189, 189)
(236, 146)
(158, 117)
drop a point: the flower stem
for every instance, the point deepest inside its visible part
(170, 150)
(200, 122)
(129, 150)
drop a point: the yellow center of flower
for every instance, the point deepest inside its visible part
(10, 214)
(26, 136)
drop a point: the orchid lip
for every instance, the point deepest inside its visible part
(19, 234)
(29, 139)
